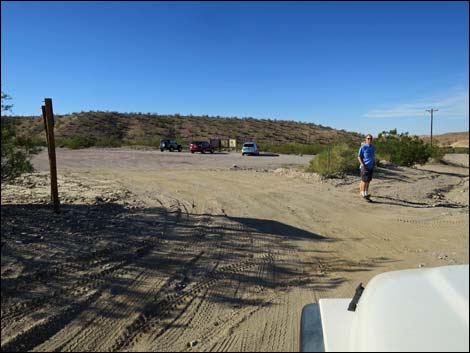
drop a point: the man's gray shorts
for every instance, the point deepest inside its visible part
(366, 174)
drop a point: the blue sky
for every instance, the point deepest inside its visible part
(358, 66)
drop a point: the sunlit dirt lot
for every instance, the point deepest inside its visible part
(169, 251)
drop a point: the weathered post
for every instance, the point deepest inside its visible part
(45, 128)
(49, 119)
(44, 117)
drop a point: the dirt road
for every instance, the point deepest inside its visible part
(154, 160)
(177, 252)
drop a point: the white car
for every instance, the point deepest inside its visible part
(250, 148)
(418, 310)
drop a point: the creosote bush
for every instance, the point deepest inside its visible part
(404, 150)
(335, 160)
(15, 151)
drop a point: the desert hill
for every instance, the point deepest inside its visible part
(452, 139)
(138, 127)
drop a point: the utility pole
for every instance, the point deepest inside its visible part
(431, 111)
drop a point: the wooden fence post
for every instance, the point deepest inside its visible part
(43, 108)
(49, 120)
(45, 128)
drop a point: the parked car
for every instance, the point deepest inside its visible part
(250, 148)
(201, 146)
(170, 145)
(412, 310)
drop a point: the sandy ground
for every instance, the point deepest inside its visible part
(177, 252)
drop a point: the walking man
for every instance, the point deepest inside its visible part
(366, 157)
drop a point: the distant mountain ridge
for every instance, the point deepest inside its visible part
(135, 127)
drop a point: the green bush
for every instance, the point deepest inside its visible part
(15, 151)
(15, 154)
(78, 142)
(404, 150)
(436, 153)
(335, 160)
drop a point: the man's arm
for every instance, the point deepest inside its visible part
(359, 158)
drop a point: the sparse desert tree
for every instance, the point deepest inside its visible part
(6, 107)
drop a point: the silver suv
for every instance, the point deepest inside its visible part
(250, 148)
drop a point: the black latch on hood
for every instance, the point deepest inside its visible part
(352, 306)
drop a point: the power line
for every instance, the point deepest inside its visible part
(432, 111)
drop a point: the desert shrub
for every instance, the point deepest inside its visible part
(108, 141)
(403, 150)
(334, 160)
(15, 151)
(75, 142)
(292, 148)
(436, 153)
(34, 141)
(183, 141)
(152, 142)
(15, 154)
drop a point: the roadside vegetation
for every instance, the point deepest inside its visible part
(335, 160)
(399, 149)
(447, 150)
(77, 142)
(292, 148)
(404, 150)
(15, 150)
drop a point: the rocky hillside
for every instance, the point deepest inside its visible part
(135, 128)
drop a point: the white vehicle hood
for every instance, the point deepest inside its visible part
(410, 310)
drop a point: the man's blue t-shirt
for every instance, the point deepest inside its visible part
(367, 153)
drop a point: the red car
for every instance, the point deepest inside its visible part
(201, 146)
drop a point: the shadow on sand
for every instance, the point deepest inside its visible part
(90, 258)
